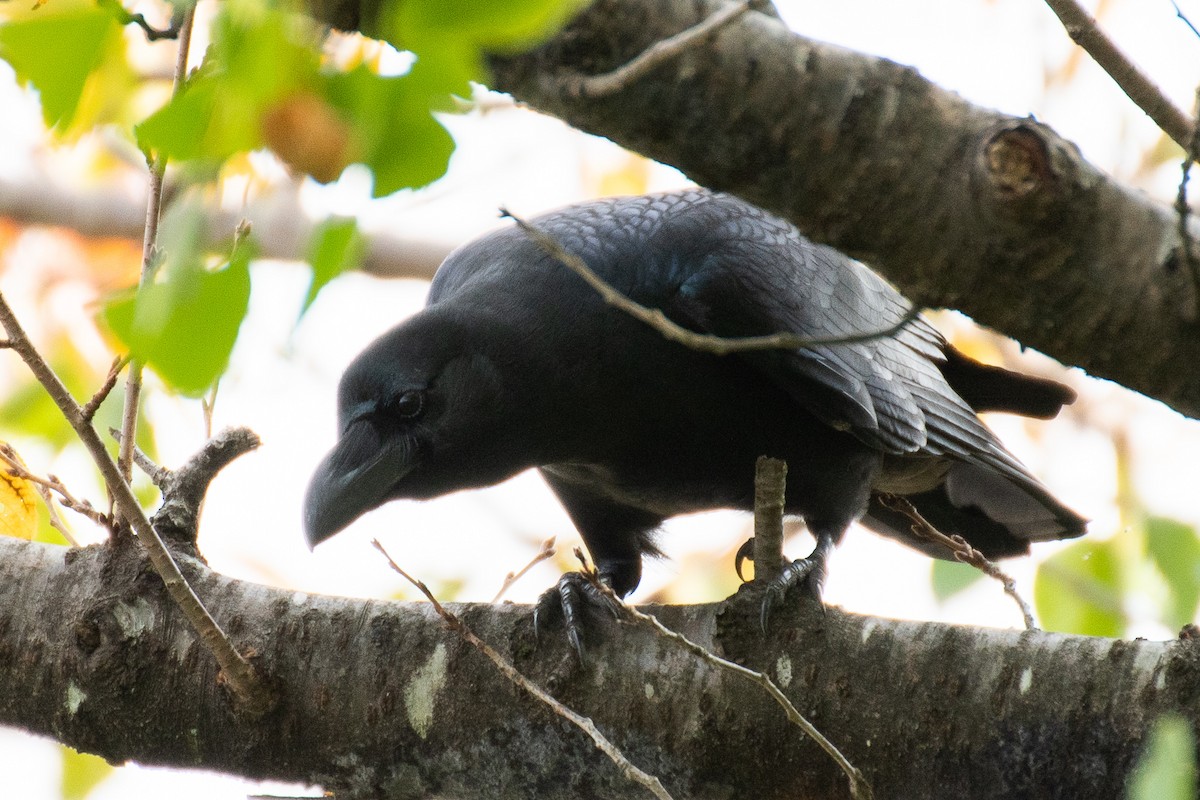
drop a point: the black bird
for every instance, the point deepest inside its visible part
(516, 363)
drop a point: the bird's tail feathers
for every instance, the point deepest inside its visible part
(997, 514)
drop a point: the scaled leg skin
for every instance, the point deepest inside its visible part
(616, 536)
(809, 570)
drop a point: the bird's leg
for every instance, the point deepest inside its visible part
(809, 570)
(569, 598)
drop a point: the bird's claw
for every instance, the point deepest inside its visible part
(744, 553)
(809, 571)
(570, 598)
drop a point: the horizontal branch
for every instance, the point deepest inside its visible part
(378, 697)
(281, 227)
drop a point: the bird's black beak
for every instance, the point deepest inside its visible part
(357, 476)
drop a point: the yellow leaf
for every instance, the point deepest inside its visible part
(18, 507)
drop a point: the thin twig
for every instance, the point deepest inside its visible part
(250, 692)
(92, 406)
(5, 344)
(546, 552)
(1179, 13)
(709, 343)
(962, 551)
(207, 406)
(154, 198)
(50, 483)
(859, 788)
(153, 34)
(583, 723)
(56, 520)
(1138, 87)
(1183, 210)
(157, 473)
(657, 54)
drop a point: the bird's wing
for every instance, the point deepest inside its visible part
(760, 276)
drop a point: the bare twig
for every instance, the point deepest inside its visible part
(251, 693)
(157, 473)
(50, 483)
(93, 405)
(158, 169)
(546, 552)
(1146, 95)
(770, 484)
(1179, 13)
(1183, 209)
(56, 520)
(962, 551)
(859, 788)
(583, 723)
(173, 31)
(591, 86)
(705, 342)
(5, 344)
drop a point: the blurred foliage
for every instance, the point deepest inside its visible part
(1079, 590)
(1085, 587)
(184, 322)
(18, 502)
(1175, 550)
(57, 49)
(1166, 769)
(264, 82)
(81, 773)
(334, 247)
(951, 577)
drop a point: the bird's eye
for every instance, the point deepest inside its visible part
(408, 405)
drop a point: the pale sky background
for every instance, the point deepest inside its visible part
(282, 380)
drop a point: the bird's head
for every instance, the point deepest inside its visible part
(420, 414)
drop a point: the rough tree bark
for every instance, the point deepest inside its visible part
(960, 206)
(378, 699)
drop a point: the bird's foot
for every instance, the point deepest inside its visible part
(570, 600)
(809, 571)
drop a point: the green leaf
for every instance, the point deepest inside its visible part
(1079, 589)
(951, 577)
(1166, 769)
(402, 144)
(334, 248)
(81, 773)
(489, 24)
(184, 322)
(56, 52)
(257, 59)
(1175, 549)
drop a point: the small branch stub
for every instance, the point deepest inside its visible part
(770, 486)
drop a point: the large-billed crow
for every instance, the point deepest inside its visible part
(517, 363)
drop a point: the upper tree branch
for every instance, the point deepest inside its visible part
(378, 699)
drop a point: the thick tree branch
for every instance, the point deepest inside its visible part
(378, 699)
